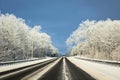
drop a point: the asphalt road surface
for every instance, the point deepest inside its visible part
(62, 70)
(65, 70)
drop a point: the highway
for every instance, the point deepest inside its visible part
(63, 68)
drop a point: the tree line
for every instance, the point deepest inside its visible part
(20, 41)
(96, 39)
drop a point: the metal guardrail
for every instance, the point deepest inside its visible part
(7, 66)
(18, 61)
(116, 63)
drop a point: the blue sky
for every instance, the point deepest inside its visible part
(59, 18)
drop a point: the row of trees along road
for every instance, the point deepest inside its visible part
(19, 41)
(96, 39)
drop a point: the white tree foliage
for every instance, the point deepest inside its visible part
(97, 39)
(19, 41)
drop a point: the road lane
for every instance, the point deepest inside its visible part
(65, 70)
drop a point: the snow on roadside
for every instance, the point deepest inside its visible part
(97, 70)
(23, 64)
(111, 61)
(64, 71)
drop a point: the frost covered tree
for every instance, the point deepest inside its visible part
(12, 32)
(19, 41)
(97, 39)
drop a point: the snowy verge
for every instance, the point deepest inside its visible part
(64, 71)
(117, 63)
(97, 70)
(20, 64)
(19, 61)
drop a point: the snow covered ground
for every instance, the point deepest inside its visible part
(97, 70)
(98, 60)
(65, 71)
(22, 64)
